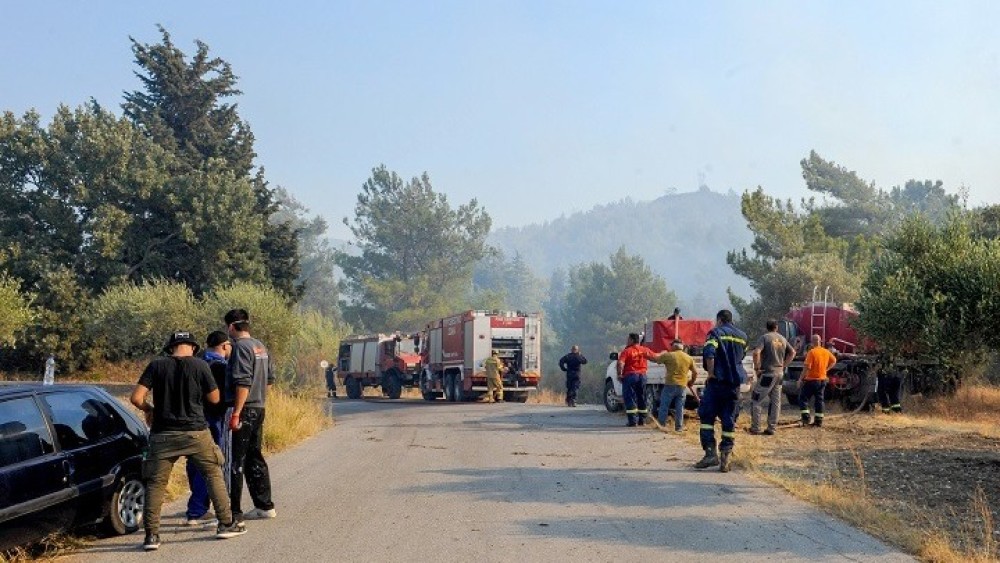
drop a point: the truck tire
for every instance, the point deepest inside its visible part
(458, 393)
(515, 397)
(393, 384)
(610, 402)
(353, 388)
(427, 386)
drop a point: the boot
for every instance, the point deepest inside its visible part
(818, 423)
(711, 459)
(725, 461)
(805, 420)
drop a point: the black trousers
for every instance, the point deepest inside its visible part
(889, 385)
(572, 387)
(246, 460)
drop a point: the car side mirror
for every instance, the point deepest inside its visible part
(613, 356)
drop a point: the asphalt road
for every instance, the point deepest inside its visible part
(414, 481)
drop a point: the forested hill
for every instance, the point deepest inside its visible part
(684, 237)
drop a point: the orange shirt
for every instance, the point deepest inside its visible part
(633, 359)
(818, 361)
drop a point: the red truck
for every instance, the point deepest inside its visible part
(389, 361)
(454, 349)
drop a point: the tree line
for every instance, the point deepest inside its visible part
(166, 204)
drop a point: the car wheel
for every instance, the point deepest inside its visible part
(610, 401)
(126, 506)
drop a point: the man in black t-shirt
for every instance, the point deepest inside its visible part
(180, 383)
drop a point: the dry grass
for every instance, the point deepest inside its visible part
(970, 404)
(49, 549)
(547, 397)
(292, 416)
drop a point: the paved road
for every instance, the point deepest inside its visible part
(415, 481)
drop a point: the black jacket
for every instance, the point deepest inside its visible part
(570, 363)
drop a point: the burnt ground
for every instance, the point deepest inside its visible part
(928, 474)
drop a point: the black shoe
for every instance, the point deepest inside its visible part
(756, 432)
(818, 423)
(152, 542)
(711, 459)
(769, 432)
(642, 422)
(724, 461)
(630, 424)
(231, 530)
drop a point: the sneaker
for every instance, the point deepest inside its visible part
(260, 514)
(755, 432)
(724, 463)
(226, 531)
(679, 430)
(202, 522)
(152, 542)
(710, 460)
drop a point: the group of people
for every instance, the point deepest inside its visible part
(723, 354)
(209, 408)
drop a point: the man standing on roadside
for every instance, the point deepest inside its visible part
(770, 356)
(494, 385)
(216, 355)
(180, 383)
(570, 363)
(631, 368)
(819, 360)
(249, 374)
(723, 355)
(678, 366)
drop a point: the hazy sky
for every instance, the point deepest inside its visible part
(540, 108)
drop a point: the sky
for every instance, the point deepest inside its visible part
(544, 108)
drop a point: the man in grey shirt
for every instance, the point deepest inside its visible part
(770, 356)
(248, 375)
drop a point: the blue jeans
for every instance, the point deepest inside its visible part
(672, 399)
(198, 503)
(719, 400)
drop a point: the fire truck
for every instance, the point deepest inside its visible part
(454, 349)
(389, 361)
(658, 336)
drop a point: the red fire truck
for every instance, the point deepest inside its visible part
(455, 347)
(389, 361)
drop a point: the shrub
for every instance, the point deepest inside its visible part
(133, 321)
(272, 318)
(317, 339)
(15, 310)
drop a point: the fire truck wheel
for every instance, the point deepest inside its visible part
(449, 387)
(393, 384)
(515, 397)
(793, 399)
(458, 393)
(353, 388)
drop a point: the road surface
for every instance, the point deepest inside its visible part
(414, 481)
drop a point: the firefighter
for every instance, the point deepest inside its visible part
(725, 347)
(570, 363)
(631, 370)
(888, 383)
(494, 385)
(818, 361)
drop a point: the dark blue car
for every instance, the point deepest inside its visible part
(70, 455)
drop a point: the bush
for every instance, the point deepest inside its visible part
(133, 321)
(15, 310)
(317, 339)
(272, 319)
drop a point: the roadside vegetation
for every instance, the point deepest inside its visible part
(924, 481)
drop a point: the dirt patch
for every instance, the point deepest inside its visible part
(944, 481)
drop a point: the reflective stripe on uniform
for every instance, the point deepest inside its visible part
(736, 339)
(729, 434)
(631, 411)
(804, 411)
(711, 342)
(642, 411)
(819, 415)
(708, 427)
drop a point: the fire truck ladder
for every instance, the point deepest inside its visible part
(818, 314)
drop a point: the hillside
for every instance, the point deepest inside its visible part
(684, 237)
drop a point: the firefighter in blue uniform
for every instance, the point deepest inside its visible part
(723, 355)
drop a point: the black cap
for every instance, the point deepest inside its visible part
(181, 337)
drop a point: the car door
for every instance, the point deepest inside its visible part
(35, 493)
(92, 442)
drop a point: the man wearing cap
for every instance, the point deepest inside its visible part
(215, 355)
(180, 383)
(494, 385)
(678, 366)
(249, 374)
